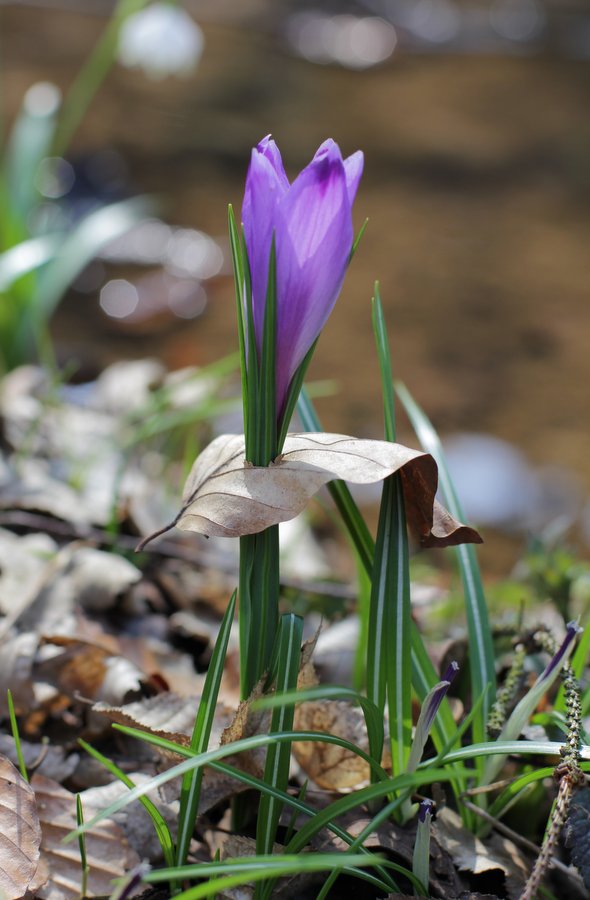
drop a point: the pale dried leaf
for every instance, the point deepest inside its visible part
(126, 385)
(20, 833)
(17, 655)
(23, 560)
(227, 497)
(79, 576)
(109, 855)
(166, 715)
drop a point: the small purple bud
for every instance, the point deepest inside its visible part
(573, 629)
(425, 809)
(430, 707)
(451, 672)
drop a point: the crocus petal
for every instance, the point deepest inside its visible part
(313, 238)
(353, 166)
(271, 152)
(266, 183)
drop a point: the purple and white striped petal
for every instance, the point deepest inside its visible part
(266, 184)
(314, 237)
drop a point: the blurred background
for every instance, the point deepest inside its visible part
(473, 117)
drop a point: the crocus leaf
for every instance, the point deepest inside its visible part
(226, 497)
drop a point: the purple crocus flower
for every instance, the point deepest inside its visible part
(312, 223)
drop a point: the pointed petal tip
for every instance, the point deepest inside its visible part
(353, 167)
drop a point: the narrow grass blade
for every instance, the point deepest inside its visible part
(259, 604)
(481, 650)
(16, 736)
(349, 511)
(298, 806)
(424, 675)
(373, 717)
(421, 855)
(389, 667)
(522, 712)
(461, 729)
(191, 783)
(290, 831)
(402, 785)
(26, 257)
(91, 75)
(259, 553)
(358, 239)
(82, 846)
(278, 756)
(293, 396)
(251, 422)
(363, 605)
(383, 815)
(158, 821)
(260, 868)
(511, 794)
(389, 661)
(384, 358)
(202, 759)
(240, 286)
(507, 748)
(28, 144)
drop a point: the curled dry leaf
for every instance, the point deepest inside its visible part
(165, 715)
(20, 833)
(225, 496)
(330, 766)
(248, 721)
(108, 853)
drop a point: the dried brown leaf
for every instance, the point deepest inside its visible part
(227, 497)
(172, 717)
(166, 715)
(23, 560)
(247, 722)
(93, 672)
(109, 855)
(331, 767)
(20, 833)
